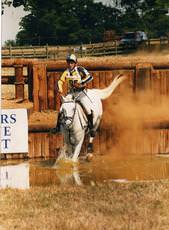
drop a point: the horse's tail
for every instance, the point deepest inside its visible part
(105, 93)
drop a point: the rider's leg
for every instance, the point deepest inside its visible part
(87, 105)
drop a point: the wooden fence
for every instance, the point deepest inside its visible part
(42, 80)
(95, 49)
(46, 144)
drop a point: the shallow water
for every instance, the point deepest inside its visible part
(110, 167)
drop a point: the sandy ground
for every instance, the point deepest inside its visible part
(36, 120)
(139, 57)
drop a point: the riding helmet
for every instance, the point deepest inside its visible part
(71, 57)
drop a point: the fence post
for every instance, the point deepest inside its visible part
(19, 82)
(50, 90)
(34, 51)
(143, 76)
(10, 51)
(81, 50)
(115, 47)
(30, 81)
(104, 49)
(47, 51)
(40, 87)
(92, 49)
(57, 52)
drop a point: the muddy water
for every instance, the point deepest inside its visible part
(112, 168)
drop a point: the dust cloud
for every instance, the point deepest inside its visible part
(131, 119)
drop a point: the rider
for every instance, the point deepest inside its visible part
(77, 77)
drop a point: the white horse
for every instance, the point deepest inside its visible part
(74, 121)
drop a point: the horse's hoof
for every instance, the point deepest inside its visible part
(89, 157)
(90, 148)
(75, 161)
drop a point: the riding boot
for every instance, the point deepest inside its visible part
(90, 124)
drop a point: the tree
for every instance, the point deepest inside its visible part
(83, 21)
(65, 21)
(155, 18)
(147, 15)
(10, 43)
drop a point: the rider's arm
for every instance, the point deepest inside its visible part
(86, 77)
(61, 82)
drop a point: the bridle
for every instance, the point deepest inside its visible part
(69, 118)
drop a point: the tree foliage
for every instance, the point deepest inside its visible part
(147, 15)
(10, 43)
(65, 21)
(84, 21)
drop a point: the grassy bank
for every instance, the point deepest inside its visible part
(105, 206)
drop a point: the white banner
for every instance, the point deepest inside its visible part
(14, 131)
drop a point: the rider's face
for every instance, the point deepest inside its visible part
(71, 64)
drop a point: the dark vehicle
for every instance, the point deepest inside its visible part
(133, 39)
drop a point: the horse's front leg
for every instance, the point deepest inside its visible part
(78, 148)
(65, 150)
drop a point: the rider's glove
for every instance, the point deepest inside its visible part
(77, 85)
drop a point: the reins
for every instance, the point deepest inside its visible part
(72, 118)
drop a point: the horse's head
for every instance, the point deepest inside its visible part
(67, 110)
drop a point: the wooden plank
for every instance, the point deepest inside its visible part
(56, 93)
(19, 82)
(155, 85)
(153, 141)
(143, 76)
(102, 79)
(39, 87)
(55, 143)
(60, 65)
(36, 88)
(31, 145)
(42, 87)
(95, 79)
(149, 141)
(109, 77)
(45, 145)
(30, 82)
(51, 90)
(38, 144)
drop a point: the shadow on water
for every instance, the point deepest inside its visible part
(112, 168)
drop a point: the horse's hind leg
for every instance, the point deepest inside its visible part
(90, 145)
(92, 135)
